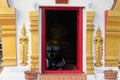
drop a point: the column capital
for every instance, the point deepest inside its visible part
(116, 5)
(3, 3)
(34, 20)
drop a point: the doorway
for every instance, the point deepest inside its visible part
(61, 39)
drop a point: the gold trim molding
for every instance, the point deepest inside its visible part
(9, 61)
(90, 29)
(34, 42)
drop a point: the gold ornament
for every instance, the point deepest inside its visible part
(98, 41)
(23, 40)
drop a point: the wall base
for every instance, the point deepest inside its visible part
(64, 76)
(9, 61)
(90, 67)
(112, 62)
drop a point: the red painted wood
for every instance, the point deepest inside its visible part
(61, 1)
(79, 39)
(106, 16)
(43, 40)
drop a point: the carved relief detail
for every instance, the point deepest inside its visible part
(23, 40)
(98, 41)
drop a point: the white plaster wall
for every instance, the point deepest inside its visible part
(24, 6)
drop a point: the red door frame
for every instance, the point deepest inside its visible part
(79, 39)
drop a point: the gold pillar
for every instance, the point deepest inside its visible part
(89, 57)
(113, 36)
(34, 36)
(23, 40)
(7, 20)
(98, 41)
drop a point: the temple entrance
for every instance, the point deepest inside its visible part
(62, 39)
(61, 36)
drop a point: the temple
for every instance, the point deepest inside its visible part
(59, 40)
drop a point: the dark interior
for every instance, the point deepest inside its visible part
(0, 49)
(61, 39)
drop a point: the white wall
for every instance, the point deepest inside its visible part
(24, 6)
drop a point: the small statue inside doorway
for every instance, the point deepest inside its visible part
(23, 40)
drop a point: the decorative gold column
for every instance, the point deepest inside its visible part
(89, 57)
(113, 36)
(23, 40)
(34, 36)
(98, 41)
(8, 22)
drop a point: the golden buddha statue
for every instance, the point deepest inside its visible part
(23, 40)
(98, 41)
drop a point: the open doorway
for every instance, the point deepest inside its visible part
(61, 37)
